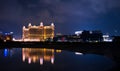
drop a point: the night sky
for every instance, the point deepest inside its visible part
(68, 15)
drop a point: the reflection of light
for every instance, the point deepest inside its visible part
(52, 60)
(41, 61)
(34, 59)
(78, 53)
(38, 55)
(11, 52)
(5, 52)
(23, 57)
(29, 60)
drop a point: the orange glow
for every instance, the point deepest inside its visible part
(58, 51)
(38, 55)
(23, 58)
(38, 33)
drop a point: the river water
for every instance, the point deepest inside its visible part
(43, 59)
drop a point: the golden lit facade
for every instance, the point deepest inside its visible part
(38, 33)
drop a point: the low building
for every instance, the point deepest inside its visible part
(92, 36)
(5, 37)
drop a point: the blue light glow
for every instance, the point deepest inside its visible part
(5, 52)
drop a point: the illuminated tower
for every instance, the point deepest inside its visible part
(53, 28)
(25, 33)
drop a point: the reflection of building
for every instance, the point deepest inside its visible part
(38, 33)
(38, 55)
(8, 52)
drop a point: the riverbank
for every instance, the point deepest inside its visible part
(61, 44)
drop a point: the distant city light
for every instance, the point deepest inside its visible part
(78, 53)
(106, 38)
(78, 32)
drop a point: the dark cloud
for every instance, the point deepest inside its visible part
(65, 13)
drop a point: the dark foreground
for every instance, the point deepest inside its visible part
(101, 48)
(61, 44)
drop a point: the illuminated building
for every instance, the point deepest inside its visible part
(34, 55)
(78, 33)
(106, 38)
(38, 33)
(8, 36)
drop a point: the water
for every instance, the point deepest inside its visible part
(42, 59)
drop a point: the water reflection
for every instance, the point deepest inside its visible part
(40, 55)
(8, 52)
(42, 59)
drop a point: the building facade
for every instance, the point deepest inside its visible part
(38, 33)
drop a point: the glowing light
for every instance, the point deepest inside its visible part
(29, 24)
(106, 38)
(41, 61)
(58, 51)
(11, 32)
(23, 57)
(23, 27)
(52, 24)
(17, 39)
(33, 35)
(4, 40)
(29, 60)
(91, 32)
(41, 24)
(40, 55)
(78, 32)
(78, 53)
(34, 59)
(5, 52)
(52, 60)
(7, 38)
